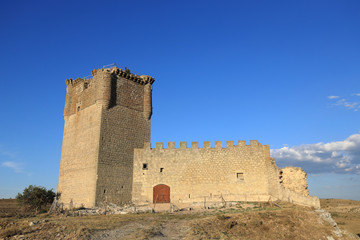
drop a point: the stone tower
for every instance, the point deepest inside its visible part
(106, 117)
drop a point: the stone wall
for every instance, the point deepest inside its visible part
(298, 198)
(77, 176)
(237, 172)
(123, 128)
(80, 148)
(294, 178)
(80, 94)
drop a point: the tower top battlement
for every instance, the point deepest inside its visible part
(109, 87)
(114, 71)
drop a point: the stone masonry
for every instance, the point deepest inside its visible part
(235, 173)
(107, 156)
(294, 178)
(106, 117)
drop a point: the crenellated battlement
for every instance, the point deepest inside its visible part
(108, 87)
(76, 82)
(206, 145)
(143, 79)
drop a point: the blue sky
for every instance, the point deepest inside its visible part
(283, 72)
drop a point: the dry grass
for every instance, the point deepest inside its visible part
(10, 231)
(9, 207)
(245, 221)
(345, 212)
(281, 224)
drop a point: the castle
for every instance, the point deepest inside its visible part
(107, 155)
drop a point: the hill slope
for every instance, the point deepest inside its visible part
(243, 221)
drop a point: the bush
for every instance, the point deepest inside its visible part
(36, 198)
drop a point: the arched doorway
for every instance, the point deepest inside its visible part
(161, 194)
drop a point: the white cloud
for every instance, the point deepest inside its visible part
(17, 167)
(348, 104)
(339, 156)
(11, 160)
(353, 104)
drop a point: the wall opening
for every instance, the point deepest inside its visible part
(240, 176)
(145, 166)
(78, 108)
(161, 169)
(104, 191)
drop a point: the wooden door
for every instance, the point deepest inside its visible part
(161, 194)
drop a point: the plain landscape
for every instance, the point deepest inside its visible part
(239, 221)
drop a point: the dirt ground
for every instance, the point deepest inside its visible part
(346, 213)
(243, 221)
(8, 207)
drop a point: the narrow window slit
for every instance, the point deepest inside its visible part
(240, 176)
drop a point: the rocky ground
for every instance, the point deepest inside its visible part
(345, 212)
(239, 221)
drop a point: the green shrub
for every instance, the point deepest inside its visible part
(36, 198)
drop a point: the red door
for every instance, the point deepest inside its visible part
(161, 194)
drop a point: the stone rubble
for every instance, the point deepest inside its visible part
(326, 216)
